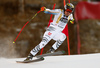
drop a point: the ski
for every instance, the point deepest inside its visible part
(51, 54)
(29, 61)
(41, 57)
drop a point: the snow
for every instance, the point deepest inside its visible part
(62, 61)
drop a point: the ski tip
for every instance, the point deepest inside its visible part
(42, 58)
(63, 52)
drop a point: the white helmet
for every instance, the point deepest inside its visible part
(69, 6)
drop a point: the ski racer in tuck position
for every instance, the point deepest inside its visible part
(54, 31)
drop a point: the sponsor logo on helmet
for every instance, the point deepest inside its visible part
(71, 5)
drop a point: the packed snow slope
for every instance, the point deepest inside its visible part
(64, 61)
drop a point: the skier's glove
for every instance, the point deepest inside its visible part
(43, 8)
(72, 21)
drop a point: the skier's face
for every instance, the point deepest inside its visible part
(67, 13)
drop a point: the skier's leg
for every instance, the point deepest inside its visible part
(59, 40)
(40, 46)
(44, 41)
(48, 35)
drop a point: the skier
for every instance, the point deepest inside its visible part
(54, 31)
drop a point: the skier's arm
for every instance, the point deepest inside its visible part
(54, 12)
(48, 11)
(71, 19)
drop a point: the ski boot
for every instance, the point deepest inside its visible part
(29, 57)
(52, 50)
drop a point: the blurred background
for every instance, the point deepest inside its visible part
(15, 13)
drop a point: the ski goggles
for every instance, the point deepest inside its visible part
(68, 10)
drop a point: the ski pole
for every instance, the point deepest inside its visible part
(25, 25)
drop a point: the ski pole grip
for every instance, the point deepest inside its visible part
(43, 8)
